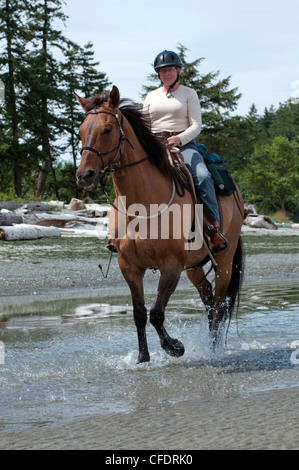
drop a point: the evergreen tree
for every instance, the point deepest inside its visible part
(81, 75)
(13, 40)
(92, 81)
(43, 95)
(40, 69)
(71, 114)
(285, 121)
(265, 122)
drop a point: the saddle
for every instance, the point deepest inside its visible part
(183, 178)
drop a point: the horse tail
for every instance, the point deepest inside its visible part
(233, 290)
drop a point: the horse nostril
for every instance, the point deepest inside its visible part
(85, 178)
(85, 175)
(79, 176)
(89, 175)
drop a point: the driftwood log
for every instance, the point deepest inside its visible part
(60, 219)
(32, 220)
(260, 221)
(31, 206)
(10, 218)
(27, 232)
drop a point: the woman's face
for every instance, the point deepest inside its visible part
(168, 75)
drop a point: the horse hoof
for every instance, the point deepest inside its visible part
(174, 347)
(143, 358)
(179, 349)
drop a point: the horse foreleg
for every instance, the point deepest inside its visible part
(167, 284)
(134, 278)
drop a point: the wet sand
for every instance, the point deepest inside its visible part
(263, 420)
(257, 420)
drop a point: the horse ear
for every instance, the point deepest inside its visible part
(114, 97)
(82, 101)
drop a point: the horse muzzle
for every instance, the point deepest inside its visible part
(87, 179)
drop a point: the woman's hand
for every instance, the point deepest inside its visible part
(173, 141)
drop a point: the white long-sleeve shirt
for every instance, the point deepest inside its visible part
(181, 112)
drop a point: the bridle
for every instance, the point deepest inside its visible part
(117, 149)
(108, 169)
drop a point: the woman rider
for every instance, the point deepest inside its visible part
(175, 112)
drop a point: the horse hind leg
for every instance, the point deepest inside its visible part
(167, 284)
(216, 305)
(198, 278)
(228, 282)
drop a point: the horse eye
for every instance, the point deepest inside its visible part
(107, 130)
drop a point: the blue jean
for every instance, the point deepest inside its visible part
(201, 177)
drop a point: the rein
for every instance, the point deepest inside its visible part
(145, 217)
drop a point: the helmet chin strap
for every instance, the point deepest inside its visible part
(168, 94)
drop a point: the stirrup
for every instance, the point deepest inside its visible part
(111, 246)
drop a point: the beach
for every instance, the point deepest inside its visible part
(264, 420)
(53, 265)
(245, 404)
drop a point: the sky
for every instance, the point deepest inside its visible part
(255, 42)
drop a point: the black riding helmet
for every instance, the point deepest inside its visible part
(167, 59)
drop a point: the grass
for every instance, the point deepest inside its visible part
(87, 248)
(255, 245)
(52, 248)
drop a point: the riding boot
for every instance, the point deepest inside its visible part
(218, 241)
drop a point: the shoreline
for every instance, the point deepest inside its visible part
(72, 277)
(69, 266)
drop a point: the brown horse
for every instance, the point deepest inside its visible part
(116, 139)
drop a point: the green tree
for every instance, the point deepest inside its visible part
(271, 178)
(42, 97)
(265, 122)
(13, 39)
(80, 74)
(39, 118)
(285, 121)
(92, 81)
(235, 139)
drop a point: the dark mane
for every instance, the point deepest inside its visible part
(152, 144)
(140, 123)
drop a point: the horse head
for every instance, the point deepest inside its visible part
(101, 134)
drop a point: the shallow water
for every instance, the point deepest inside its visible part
(71, 358)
